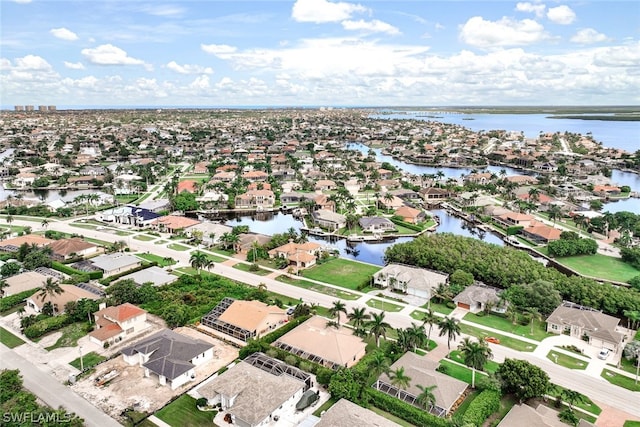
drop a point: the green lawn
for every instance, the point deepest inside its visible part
(391, 417)
(89, 360)
(490, 366)
(8, 339)
(177, 247)
(85, 226)
(459, 372)
(162, 262)
(628, 365)
(502, 323)
(438, 308)
(513, 343)
(467, 401)
(384, 305)
(326, 405)
(586, 405)
(248, 267)
(70, 335)
(144, 237)
(182, 412)
(630, 423)
(620, 380)
(301, 283)
(342, 272)
(601, 266)
(566, 360)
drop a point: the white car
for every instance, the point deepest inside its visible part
(604, 353)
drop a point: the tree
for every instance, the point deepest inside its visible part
(49, 289)
(534, 314)
(554, 212)
(337, 308)
(200, 260)
(475, 354)
(9, 219)
(3, 286)
(523, 379)
(540, 294)
(399, 378)
(358, 317)
(450, 327)
(379, 363)
(416, 336)
(9, 269)
(572, 397)
(430, 318)
(45, 223)
(343, 384)
(426, 398)
(377, 326)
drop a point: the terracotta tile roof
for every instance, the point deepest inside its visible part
(69, 246)
(120, 313)
(249, 314)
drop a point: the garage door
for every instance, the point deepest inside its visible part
(463, 305)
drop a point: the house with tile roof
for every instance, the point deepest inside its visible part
(116, 323)
(300, 255)
(541, 233)
(23, 282)
(173, 223)
(344, 413)
(69, 293)
(74, 247)
(475, 298)
(411, 215)
(540, 416)
(171, 356)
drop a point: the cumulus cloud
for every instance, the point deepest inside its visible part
(32, 63)
(506, 32)
(108, 54)
(589, 36)
(218, 49)
(64, 34)
(322, 11)
(562, 15)
(374, 26)
(189, 69)
(74, 65)
(538, 9)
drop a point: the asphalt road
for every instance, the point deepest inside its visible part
(52, 392)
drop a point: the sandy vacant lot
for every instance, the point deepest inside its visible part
(130, 389)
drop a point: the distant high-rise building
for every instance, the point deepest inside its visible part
(29, 108)
(19, 107)
(52, 108)
(42, 108)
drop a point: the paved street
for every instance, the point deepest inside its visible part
(52, 392)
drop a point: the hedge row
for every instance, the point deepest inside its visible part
(403, 410)
(107, 280)
(11, 301)
(41, 327)
(408, 225)
(485, 404)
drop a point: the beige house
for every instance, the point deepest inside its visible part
(260, 199)
(244, 320)
(114, 324)
(68, 248)
(347, 414)
(69, 293)
(541, 416)
(410, 280)
(300, 255)
(329, 346)
(24, 282)
(599, 329)
(422, 371)
(476, 297)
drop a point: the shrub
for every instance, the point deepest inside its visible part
(403, 410)
(41, 327)
(11, 301)
(202, 402)
(511, 231)
(485, 404)
(569, 417)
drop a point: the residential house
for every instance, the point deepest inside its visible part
(376, 224)
(155, 206)
(606, 190)
(23, 282)
(210, 232)
(69, 293)
(301, 255)
(599, 329)
(411, 215)
(12, 245)
(344, 413)
(325, 185)
(324, 202)
(541, 233)
(128, 215)
(329, 220)
(511, 219)
(187, 185)
(116, 323)
(476, 298)
(255, 176)
(155, 275)
(540, 416)
(422, 371)
(247, 240)
(244, 320)
(410, 280)
(173, 224)
(74, 247)
(393, 202)
(479, 178)
(257, 391)
(24, 179)
(171, 356)
(201, 168)
(434, 195)
(115, 263)
(329, 346)
(259, 199)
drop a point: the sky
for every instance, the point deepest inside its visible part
(207, 53)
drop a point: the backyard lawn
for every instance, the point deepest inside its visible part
(601, 266)
(182, 412)
(8, 339)
(342, 272)
(513, 343)
(504, 324)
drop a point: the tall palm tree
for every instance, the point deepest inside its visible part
(535, 315)
(426, 398)
(379, 363)
(199, 260)
(377, 326)
(399, 378)
(554, 212)
(49, 289)
(430, 319)
(417, 337)
(337, 308)
(45, 223)
(450, 327)
(358, 317)
(571, 397)
(534, 194)
(474, 354)
(9, 219)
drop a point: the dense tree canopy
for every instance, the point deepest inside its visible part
(505, 267)
(523, 379)
(539, 294)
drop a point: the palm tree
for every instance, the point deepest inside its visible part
(534, 194)
(474, 354)
(571, 397)
(358, 317)
(199, 260)
(417, 337)
(535, 315)
(450, 327)
(379, 363)
(426, 398)
(49, 289)
(9, 219)
(430, 319)
(554, 212)
(45, 223)
(377, 326)
(337, 308)
(399, 378)
(3, 286)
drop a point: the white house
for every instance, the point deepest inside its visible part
(114, 324)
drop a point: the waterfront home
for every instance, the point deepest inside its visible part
(300, 255)
(541, 233)
(434, 195)
(210, 232)
(328, 219)
(511, 219)
(410, 280)
(322, 201)
(376, 224)
(246, 242)
(173, 224)
(257, 199)
(411, 215)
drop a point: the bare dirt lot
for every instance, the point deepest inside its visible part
(130, 389)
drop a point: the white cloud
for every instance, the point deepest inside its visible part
(107, 54)
(33, 63)
(538, 9)
(589, 36)
(165, 10)
(200, 83)
(562, 15)
(22, 1)
(64, 34)
(189, 69)
(374, 26)
(505, 32)
(218, 49)
(322, 11)
(74, 65)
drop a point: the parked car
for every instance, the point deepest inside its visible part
(290, 311)
(604, 353)
(492, 340)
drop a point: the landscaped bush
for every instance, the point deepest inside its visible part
(63, 268)
(485, 404)
(11, 301)
(49, 324)
(513, 230)
(572, 247)
(403, 410)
